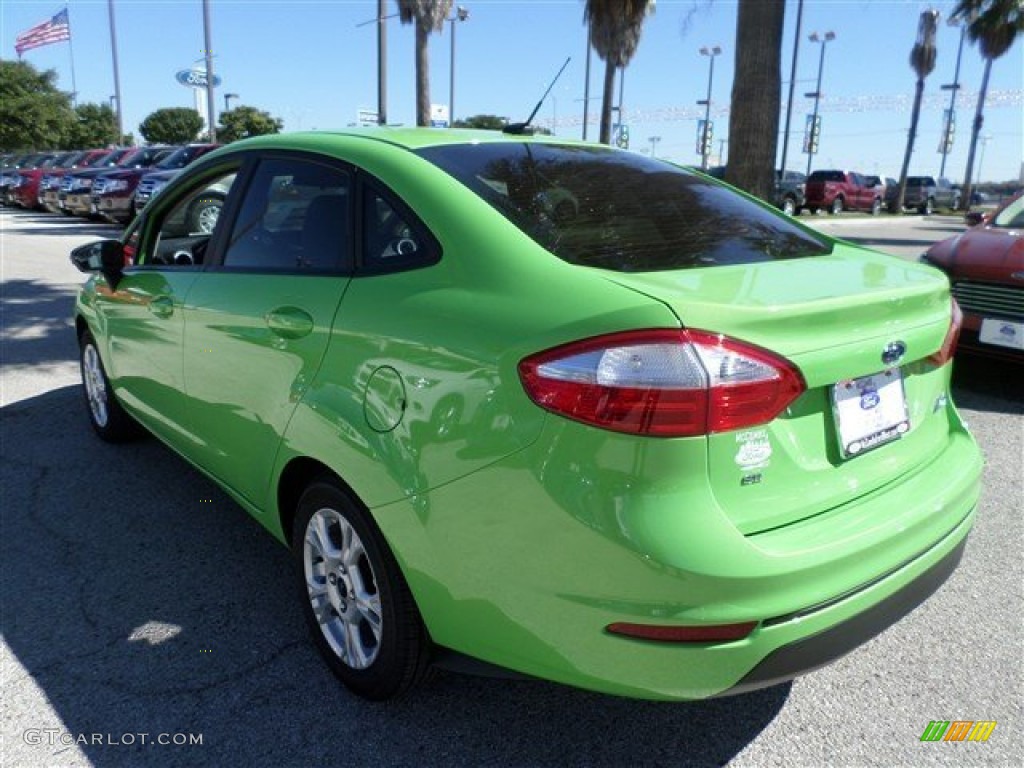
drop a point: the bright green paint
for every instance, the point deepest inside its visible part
(522, 535)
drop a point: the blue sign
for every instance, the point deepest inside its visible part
(195, 78)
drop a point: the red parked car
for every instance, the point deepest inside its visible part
(985, 266)
(837, 191)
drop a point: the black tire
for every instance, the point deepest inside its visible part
(203, 214)
(359, 588)
(813, 210)
(110, 421)
(789, 207)
(836, 207)
(876, 207)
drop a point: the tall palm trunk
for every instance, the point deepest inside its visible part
(422, 74)
(979, 120)
(915, 115)
(756, 97)
(606, 102)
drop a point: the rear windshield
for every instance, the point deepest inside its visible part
(620, 211)
(827, 176)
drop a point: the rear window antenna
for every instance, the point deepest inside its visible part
(520, 129)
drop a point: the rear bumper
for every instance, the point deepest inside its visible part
(815, 651)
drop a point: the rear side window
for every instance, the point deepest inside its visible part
(619, 211)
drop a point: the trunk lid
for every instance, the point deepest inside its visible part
(832, 316)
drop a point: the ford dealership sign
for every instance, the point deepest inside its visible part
(195, 78)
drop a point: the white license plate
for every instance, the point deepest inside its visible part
(870, 411)
(1002, 333)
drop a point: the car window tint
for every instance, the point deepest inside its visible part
(184, 230)
(621, 211)
(390, 239)
(1012, 215)
(295, 215)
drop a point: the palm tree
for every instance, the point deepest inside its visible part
(993, 25)
(428, 16)
(922, 61)
(615, 33)
(756, 95)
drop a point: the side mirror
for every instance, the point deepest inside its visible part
(103, 256)
(974, 218)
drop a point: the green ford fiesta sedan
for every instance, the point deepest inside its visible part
(542, 406)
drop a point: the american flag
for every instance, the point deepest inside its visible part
(56, 30)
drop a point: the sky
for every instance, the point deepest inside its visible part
(313, 65)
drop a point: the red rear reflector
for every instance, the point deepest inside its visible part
(721, 633)
(945, 353)
(665, 383)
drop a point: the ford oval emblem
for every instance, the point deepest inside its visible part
(195, 78)
(894, 352)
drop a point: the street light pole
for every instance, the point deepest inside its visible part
(227, 100)
(382, 75)
(210, 104)
(792, 85)
(981, 159)
(654, 142)
(952, 88)
(824, 40)
(704, 143)
(461, 14)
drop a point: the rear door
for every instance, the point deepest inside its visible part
(258, 319)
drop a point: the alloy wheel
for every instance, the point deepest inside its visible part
(342, 588)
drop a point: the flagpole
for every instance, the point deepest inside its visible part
(118, 116)
(71, 53)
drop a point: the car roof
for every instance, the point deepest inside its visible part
(408, 138)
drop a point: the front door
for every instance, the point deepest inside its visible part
(258, 320)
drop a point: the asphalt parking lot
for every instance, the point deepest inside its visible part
(143, 611)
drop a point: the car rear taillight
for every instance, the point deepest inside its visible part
(663, 383)
(945, 353)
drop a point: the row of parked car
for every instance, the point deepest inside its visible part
(108, 184)
(835, 191)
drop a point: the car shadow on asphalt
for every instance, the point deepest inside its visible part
(139, 598)
(986, 384)
(37, 326)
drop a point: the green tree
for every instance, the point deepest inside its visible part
(242, 122)
(94, 126)
(171, 125)
(428, 16)
(486, 122)
(993, 25)
(614, 27)
(756, 94)
(33, 113)
(922, 61)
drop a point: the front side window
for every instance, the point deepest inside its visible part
(620, 211)
(183, 232)
(295, 216)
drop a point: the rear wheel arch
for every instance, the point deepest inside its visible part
(296, 476)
